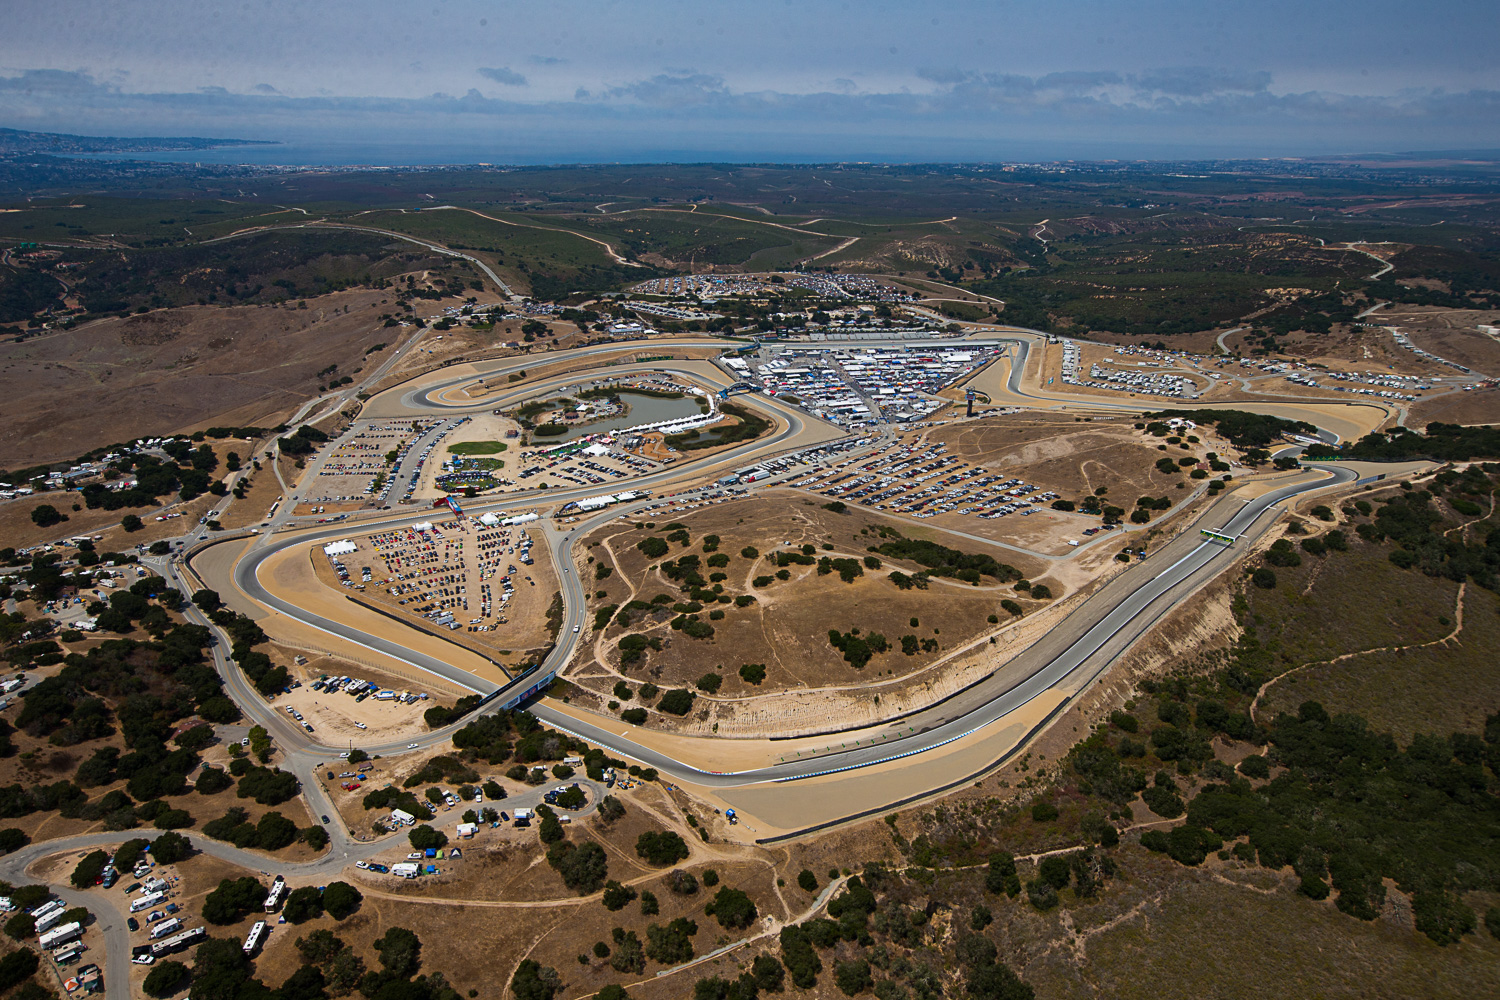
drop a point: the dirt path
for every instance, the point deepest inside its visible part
(1458, 626)
(608, 247)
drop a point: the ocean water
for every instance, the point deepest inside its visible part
(372, 154)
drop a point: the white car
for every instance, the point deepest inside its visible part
(411, 746)
(143, 960)
(575, 628)
(360, 725)
(343, 753)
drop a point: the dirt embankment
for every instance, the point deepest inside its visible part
(179, 369)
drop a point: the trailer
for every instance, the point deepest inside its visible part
(171, 944)
(405, 869)
(50, 920)
(61, 935)
(50, 907)
(166, 928)
(147, 901)
(273, 898)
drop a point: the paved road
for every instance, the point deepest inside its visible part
(110, 916)
(1122, 610)
(1117, 611)
(1107, 623)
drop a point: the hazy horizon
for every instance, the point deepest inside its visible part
(815, 81)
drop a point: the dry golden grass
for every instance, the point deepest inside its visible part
(786, 628)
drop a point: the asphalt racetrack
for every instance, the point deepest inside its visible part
(1075, 652)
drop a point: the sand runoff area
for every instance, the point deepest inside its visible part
(774, 808)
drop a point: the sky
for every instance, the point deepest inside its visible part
(774, 80)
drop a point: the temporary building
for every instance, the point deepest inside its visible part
(342, 548)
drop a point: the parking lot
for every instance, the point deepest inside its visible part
(922, 480)
(856, 387)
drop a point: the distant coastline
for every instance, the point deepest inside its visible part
(20, 142)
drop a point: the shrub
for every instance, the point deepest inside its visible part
(799, 957)
(165, 979)
(340, 899)
(1056, 870)
(1255, 767)
(678, 701)
(584, 867)
(1043, 812)
(617, 896)
(710, 682)
(853, 977)
(732, 908)
(170, 848)
(303, 904)
(233, 900)
(672, 944)
(682, 883)
(1001, 875)
(634, 716)
(1162, 799)
(90, 870)
(1041, 895)
(753, 673)
(807, 880)
(662, 848)
(534, 981)
(424, 836)
(768, 973)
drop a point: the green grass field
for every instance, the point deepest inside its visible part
(477, 448)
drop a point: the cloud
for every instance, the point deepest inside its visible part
(503, 74)
(1163, 114)
(674, 89)
(944, 74)
(50, 81)
(1199, 81)
(545, 60)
